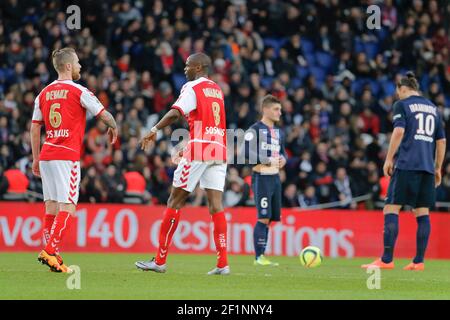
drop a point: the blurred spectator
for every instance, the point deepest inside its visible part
(114, 183)
(290, 196)
(91, 187)
(237, 192)
(389, 15)
(341, 190)
(135, 182)
(234, 194)
(17, 181)
(308, 198)
(322, 180)
(374, 191)
(135, 187)
(4, 130)
(163, 97)
(370, 123)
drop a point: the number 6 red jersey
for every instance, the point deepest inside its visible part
(61, 107)
(202, 102)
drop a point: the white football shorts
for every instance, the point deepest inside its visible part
(211, 175)
(61, 180)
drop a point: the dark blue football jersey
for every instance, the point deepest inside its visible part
(263, 142)
(423, 126)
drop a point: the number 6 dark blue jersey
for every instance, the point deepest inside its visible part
(263, 142)
(423, 126)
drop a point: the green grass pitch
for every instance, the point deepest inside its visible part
(114, 276)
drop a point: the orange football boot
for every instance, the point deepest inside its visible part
(49, 260)
(63, 267)
(415, 266)
(378, 264)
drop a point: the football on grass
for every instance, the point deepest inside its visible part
(311, 257)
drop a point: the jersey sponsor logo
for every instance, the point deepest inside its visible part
(215, 130)
(423, 138)
(270, 146)
(61, 133)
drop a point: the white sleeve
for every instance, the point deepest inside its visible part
(89, 101)
(37, 113)
(187, 101)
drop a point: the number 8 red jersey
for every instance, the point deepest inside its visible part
(61, 107)
(202, 102)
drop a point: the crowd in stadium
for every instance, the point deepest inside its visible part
(335, 77)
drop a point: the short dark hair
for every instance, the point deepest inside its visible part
(410, 81)
(269, 99)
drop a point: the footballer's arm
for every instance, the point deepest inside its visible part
(108, 119)
(440, 155)
(396, 139)
(35, 135)
(170, 117)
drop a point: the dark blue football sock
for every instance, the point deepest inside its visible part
(422, 236)
(390, 236)
(260, 238)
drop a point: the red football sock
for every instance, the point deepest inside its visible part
(60, 227)
(168, 227)
(220, 238)
(48, 223)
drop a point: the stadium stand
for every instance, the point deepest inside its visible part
(335, 77)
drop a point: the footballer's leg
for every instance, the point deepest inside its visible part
(169, 224)
(390, 233)
(422, 236)
(51, 210)
(425, 199)
(220, 231)
(275, 215)
(185, 179)
(213, 182)
(263, 203)
(60, 228)
(264, 191)
(67, 178)
(395, 198)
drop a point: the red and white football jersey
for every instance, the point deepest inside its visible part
(61, 107)
(202, 102)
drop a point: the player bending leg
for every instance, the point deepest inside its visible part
(264, 146)
(419, 141)
(204, 160)
(61, 108)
